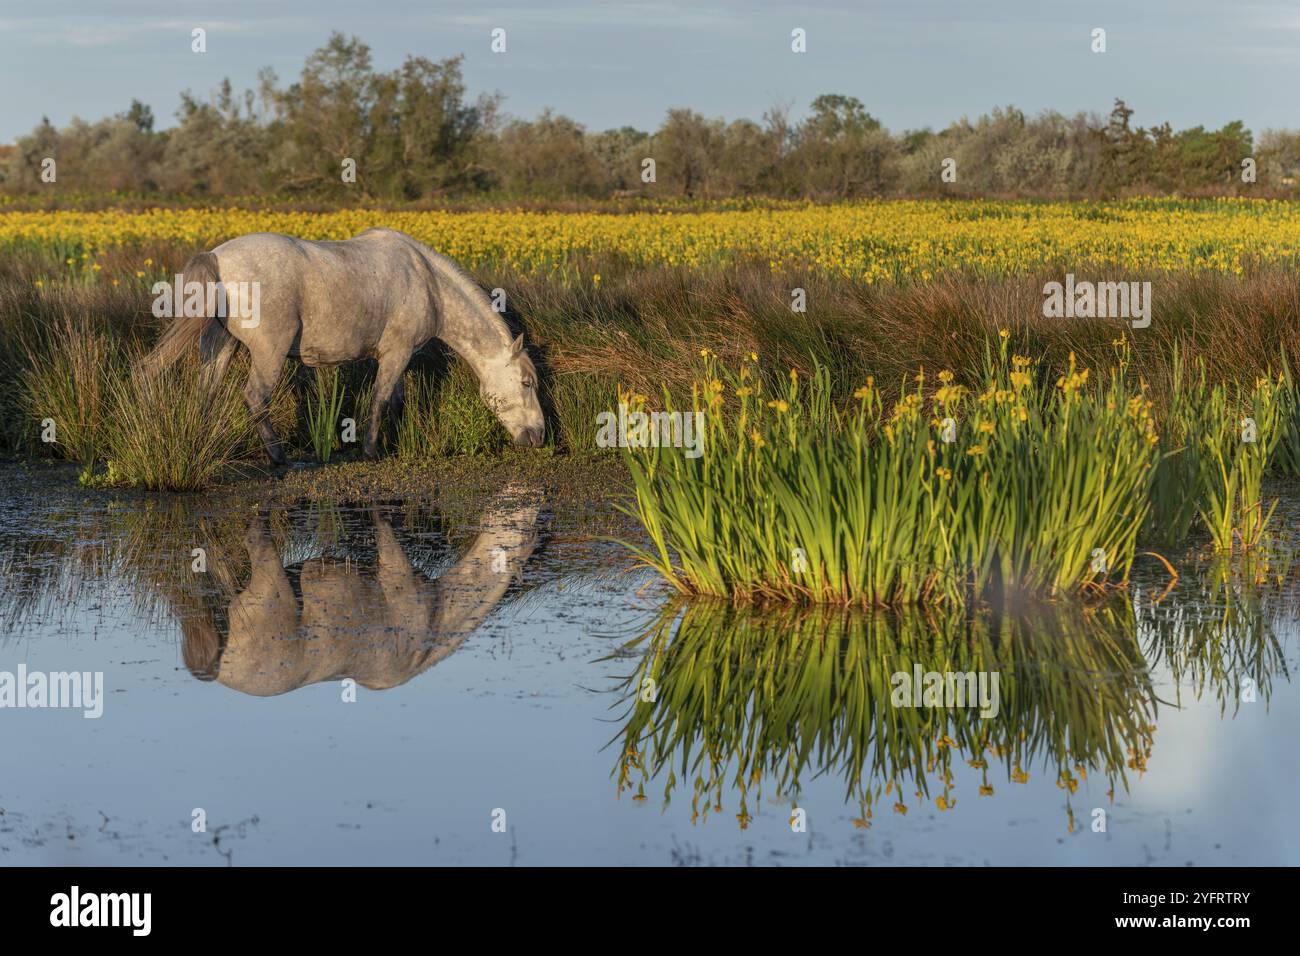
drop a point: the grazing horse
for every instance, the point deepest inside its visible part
(379, 295)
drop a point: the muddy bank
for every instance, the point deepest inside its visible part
(582, 490)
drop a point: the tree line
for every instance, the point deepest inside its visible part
(415, 134)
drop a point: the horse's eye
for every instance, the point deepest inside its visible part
(528, 383)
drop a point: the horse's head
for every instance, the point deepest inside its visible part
(509, 387)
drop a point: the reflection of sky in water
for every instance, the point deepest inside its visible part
(519, 718)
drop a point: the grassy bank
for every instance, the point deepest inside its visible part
(643, 326)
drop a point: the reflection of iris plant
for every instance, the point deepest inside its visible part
(741, 698)
(727, 699)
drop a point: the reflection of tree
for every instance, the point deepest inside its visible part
(728, 698)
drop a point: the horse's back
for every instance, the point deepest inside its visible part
(335, 301)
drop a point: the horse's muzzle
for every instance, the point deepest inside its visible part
(531, 436)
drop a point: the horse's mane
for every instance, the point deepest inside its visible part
(469, 285)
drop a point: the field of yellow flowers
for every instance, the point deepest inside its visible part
(866, 242)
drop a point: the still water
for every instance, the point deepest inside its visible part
(379, 683)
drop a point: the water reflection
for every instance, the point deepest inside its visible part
(726, 701)
(380, 624)
(275, 600)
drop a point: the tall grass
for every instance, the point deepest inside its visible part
(1286, 457)
(324, 409)
(64, 384)
(642, 325)
(171, 430)
(465, 425)
(949, 494)
(1218, 443)
(417, 426)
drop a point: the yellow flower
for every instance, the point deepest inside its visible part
(780, 405)
(944, 473)
(975, 450)
(987, 427)
(945, 376)
(757, 439)
(986, 790)
(744, 391)
(1004, 333)
(753, 356)
(863, 392)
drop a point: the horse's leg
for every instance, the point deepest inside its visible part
(398, 401)
(391, 366)
(263, 372)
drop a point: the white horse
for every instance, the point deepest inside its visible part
(379, 295)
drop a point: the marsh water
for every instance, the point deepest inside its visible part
(383, 683)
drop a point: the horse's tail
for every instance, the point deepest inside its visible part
(183, 332)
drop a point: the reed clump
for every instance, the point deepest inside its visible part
(1026, 484)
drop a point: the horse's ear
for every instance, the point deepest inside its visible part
(518, 345)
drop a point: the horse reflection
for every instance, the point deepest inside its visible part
(379, 625)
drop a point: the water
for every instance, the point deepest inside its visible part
(508, 670)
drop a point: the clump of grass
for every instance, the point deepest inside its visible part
(63, 386)
(417, 427)
(1217, 445)
(574, 402)
(1286, 456)
(465, 425)
(1039, 490)
(172, 430)
(324, 406)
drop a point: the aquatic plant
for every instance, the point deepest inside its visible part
(1017, 487)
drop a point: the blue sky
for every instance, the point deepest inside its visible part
(912, 62)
